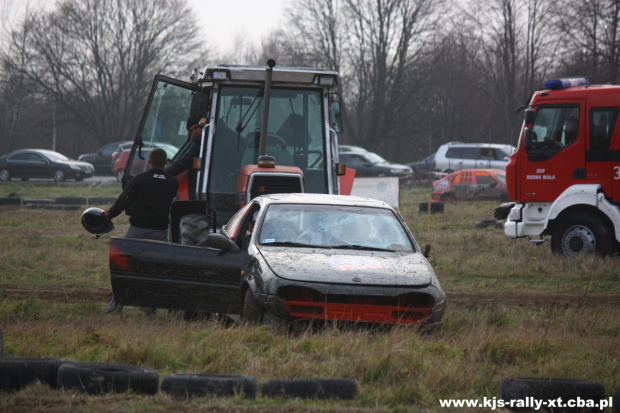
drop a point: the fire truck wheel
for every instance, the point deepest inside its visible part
(194, 229)
(252, 310)
(581, 234)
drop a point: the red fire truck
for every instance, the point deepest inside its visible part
(564, 179)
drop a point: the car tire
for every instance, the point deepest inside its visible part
(448, 198)
(119, 175)
(546, 389)
(101, 378)
(188, 386)
(253, 312)
(59, 175)
(435, 206)
(310, 388)
(581, 234)
(19, 372)
(5, 175)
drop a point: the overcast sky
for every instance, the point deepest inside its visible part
(225, 20)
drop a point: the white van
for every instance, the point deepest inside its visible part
(454, 156)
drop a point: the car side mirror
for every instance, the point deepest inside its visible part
(221, 242)
(427, 251)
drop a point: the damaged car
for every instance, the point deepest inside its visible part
(287, 258)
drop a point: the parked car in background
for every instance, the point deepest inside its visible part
(423, 168)
(351, 148)
(42, 163)
(471, 184)
(119, 149)
(455, 156)
(138, 164)
(370, 164)
(301, 257)
(101, 159)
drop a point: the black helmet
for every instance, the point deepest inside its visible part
(94, 221)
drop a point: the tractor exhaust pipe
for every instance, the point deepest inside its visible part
(266, 97)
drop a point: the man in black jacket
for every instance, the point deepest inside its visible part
(146, 200)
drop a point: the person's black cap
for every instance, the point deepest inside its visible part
(191, 121)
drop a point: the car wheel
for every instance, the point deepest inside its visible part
(187, 386)
(100, 378)
(448, 198)
(311, 388)
(59, 175)
(119, 175)
(253, 312)
(5, 175)
(581, 234)
(19, 372)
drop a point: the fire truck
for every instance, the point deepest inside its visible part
(564, 177)
(269, 129)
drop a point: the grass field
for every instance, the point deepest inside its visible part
(514, 310)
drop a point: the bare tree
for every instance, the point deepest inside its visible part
(594, 46)
(96, 58)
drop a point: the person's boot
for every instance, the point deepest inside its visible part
(113, 307)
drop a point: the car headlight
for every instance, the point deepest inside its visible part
(397, 171)
(515, 214)
(75, 167)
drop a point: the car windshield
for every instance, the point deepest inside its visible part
(373, 158)
(333, 226)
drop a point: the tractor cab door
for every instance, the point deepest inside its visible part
(164, 124)
(160, 274)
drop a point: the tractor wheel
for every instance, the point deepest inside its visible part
(194, 229)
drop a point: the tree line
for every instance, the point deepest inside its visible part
(415, 73)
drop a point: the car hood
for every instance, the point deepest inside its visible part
(349, 267)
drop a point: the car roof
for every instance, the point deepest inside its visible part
(323, 199)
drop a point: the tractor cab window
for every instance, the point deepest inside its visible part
(555, 128)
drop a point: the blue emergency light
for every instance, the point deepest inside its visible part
(556, 84)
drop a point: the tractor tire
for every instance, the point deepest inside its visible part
(310, 388)
(187, 386)
(101, 378)
(19, 372)
(194, 229)
(581, 234)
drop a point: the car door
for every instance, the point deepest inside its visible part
(486, 187)
(39, 166)
(19, 165)
(162, 274)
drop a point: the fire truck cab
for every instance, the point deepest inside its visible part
(564, 178)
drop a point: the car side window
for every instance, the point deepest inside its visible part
(36, 158)
(20, 157)
(244, 235)
(484, 179)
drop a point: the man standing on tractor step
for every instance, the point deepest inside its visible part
(146, 200)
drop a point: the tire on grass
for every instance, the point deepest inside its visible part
(19, 372)
(435, 207)
(549, 388)
(188, 386)
(101, 378)
(311, 388)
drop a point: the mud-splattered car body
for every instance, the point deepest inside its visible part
(470, 184)
(286, 258)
